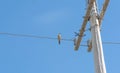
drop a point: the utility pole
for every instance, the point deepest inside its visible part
(96, 41)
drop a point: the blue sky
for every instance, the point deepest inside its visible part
(48, 18)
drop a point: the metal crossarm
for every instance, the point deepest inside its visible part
(81, 33)
(103, 10)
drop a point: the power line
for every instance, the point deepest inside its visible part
(111, 42)
(32, 36)
(45, 37)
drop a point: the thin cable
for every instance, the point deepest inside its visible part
(84, 45)
(111, 42)
(52, 38)
(32, 36)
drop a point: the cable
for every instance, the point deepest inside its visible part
(32, 36)
(111, 42)
(44, 37)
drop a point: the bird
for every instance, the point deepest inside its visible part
(59, 38)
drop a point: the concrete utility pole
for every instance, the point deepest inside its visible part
(96, 41)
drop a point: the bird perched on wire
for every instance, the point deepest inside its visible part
(59, 38)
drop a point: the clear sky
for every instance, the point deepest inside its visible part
(48, 18)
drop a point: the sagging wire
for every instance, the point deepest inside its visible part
(45, 37)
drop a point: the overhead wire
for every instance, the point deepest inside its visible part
(111, 42)
(32, 36)
(45, 37)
